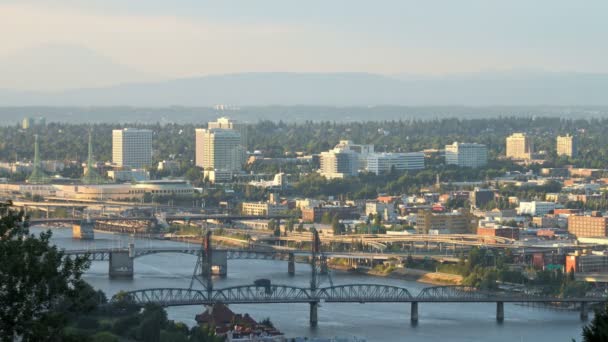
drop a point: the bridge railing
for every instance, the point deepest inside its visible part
(364, 293)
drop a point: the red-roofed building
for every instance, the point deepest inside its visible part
(234, 326)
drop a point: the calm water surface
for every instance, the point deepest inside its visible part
(375, 322)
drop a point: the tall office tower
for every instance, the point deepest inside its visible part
(219, 149)
(227, 123)
(566, 146)
(466, 154)
(26, 123)
(519, 146)
(132, 147)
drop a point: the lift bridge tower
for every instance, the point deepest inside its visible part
(91, 176)
(37, 176)
(202, 269)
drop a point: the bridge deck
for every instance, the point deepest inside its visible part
(354, 293)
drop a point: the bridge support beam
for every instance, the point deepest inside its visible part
(314, 319)
(584, 313)
(120, 265)
(414, 313)
(324, 269)
(500, 312)
(291, 264)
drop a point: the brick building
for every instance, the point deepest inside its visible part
(594, 225)
(343, 212)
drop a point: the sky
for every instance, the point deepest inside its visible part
(58, 44)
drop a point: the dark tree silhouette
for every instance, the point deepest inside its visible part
(38, 286)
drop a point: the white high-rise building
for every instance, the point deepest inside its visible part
(132, 147)
(466, 154)
(339, 163)
(219, 149)
(361, 151)
(379, 163)
(227, 123)
(346, 159)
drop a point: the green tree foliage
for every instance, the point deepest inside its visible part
(336, 226)
(38, 285)
(597, 330)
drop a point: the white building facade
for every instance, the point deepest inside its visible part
(535, 208)
(339, 163)
(466, 154)
(132, 147)
(380, 163)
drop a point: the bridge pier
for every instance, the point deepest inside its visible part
(313, 314)
(291, 264)
(500, 312)
(584, 313)
(414, 313)
(120, 265)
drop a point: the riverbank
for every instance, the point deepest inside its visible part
(409, 274)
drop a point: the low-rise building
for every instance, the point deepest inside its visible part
(545, 221)
(133, 175)
(455, 222)
(380, 163)
(343, 212)
(262, 208)
(386, 210)
(499, 231)
(587, 263)
(480, 197)
(535, 208)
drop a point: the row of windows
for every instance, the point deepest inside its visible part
(178, 191)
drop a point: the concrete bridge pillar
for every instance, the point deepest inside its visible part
(291, 264)
(584, 313)
(131, 250)
(313, 314)
(500, 312)
(120, 265)
(414, 313)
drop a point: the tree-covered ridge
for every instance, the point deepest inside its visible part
(69, 141)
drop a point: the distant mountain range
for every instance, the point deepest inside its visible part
(337, 89)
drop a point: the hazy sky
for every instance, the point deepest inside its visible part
(126, 40)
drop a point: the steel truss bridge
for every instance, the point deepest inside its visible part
(354, 293)
(103, 254)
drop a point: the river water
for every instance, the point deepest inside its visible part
(373, 321)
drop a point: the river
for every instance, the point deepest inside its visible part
(373, 321)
